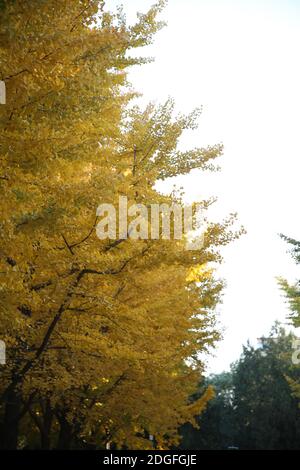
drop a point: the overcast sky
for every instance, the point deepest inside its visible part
(239, 59)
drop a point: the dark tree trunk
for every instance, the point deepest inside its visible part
(45, 430)
(10, 425)
(65, 434)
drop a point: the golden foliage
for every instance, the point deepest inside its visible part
(105, 334)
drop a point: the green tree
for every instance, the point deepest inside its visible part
(292, 291)
(217, 424)
(267, 415)
(254, 407)
(292, 294)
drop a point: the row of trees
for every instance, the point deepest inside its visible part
(99, 333)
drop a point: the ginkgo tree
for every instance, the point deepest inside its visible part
(103, 336)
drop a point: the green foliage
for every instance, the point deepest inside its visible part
(292, 291)
(254, 407)
(217, 423)
(292, 294)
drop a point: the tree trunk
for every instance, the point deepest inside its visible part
(45, 430)
(65, 434)
(10, 425)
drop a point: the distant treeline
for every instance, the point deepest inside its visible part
(255, 404)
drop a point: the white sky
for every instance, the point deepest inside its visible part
(240, 60)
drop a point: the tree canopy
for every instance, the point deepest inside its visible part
(99, 333)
